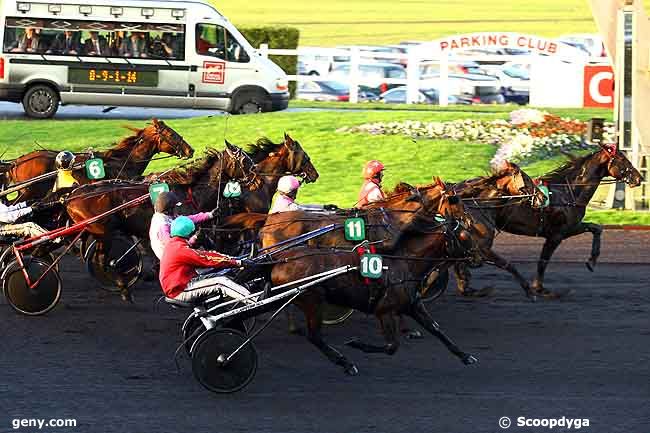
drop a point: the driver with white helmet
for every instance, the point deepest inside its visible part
(285, 198)
(64, 163)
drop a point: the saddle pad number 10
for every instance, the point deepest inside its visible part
(155, 189)
(355, 229)
(372, 265)
(95, 169)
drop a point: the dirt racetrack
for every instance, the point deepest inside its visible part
(109, 365)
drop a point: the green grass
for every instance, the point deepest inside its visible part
(337, 22)
(338, 157)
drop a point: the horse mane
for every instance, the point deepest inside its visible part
(569, 169)
(261, 149)
(126, 145)
(105, 186)
(190, 173)
(400, 188)
(479, 184)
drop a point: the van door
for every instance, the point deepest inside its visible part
(222, 64)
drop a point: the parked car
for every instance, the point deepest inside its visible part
(329, 91)
(515, 84)
(377, 51)
(433, 69)
(479, 88)
(425, 96)
(372, 76)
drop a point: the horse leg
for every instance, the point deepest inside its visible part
(463, 286)
(491, 256)
(596, 230)
(422, 316)
(292, 323)
(389, 329)
(549, 248)
(313, 317)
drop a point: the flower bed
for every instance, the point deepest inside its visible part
(529, 134)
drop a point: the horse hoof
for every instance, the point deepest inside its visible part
(481, 293)
(352, 370)
(148, 276)
(469, 359)
(127, 297)
(295, 330)
(589, 266)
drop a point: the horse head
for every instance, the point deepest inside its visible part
(237, 164)
(298, 162)
(512, 180)
(167, 140)
(618, 166)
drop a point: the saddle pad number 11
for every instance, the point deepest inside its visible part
(372, 265)
(232, 189)
(95, 169)
(355, 229)
(155, 189)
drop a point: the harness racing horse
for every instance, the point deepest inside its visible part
(486, 198)
(425, 243)
(201, 183)
(571, 187)
(127, 160)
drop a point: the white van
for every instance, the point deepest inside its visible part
(178, 54)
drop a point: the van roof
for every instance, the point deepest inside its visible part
(168, 4)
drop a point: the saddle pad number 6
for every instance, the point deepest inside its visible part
(355, 229)
(155, 190)
(232, 189)
(95, 169)
(372, 265)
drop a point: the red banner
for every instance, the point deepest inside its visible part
(598, 89)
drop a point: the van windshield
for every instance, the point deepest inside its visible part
(215, 41)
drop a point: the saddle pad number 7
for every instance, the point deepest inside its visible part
(372, 265)
(355, 229)
(95, 169)
(155, 190)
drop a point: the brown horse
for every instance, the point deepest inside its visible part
(571, 186)
(485, 198)
(127, 160)
(397, 292)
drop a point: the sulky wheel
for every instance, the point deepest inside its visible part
(211, 349)
(335, 314)
(193, 327)
(7, 256)
(31, 301)
(437, 288)
(123, 261)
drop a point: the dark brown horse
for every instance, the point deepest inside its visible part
(127, 160)
(427, 244)
(571, 186)
(486, 198)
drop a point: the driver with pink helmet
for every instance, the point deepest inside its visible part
(285, 198)
(373, 172)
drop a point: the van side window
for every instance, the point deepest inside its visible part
(95, 39)
(215, 41)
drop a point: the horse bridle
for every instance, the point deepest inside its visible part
(167, 132)
(240, 157)
(625, 172)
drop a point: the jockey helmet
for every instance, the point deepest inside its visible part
(182, 227)
(372, 169)
(166, 201)
(288, 184)
(64, 160)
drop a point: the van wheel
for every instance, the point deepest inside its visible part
(41, 102)
(251, 102)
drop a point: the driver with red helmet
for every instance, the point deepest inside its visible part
(373, 172)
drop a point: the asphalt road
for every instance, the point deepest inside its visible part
(109, 365)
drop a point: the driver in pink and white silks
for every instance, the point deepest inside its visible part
(165, 208)
(285, 198)
(373, 173)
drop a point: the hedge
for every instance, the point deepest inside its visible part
(277, 37)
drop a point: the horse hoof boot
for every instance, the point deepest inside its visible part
(469, 359)
(412, 334)
(352, 370)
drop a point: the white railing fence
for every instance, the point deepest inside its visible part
(546, 81)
